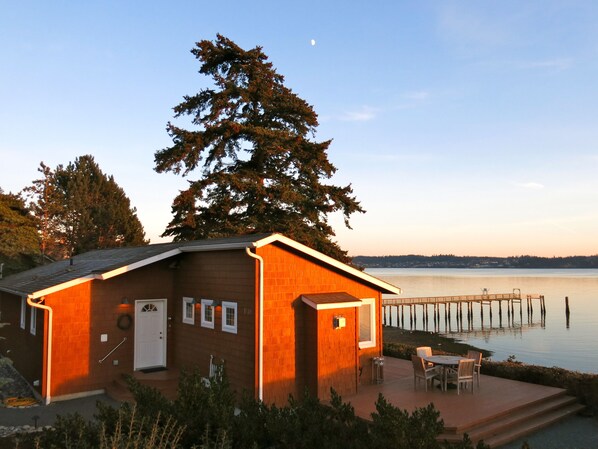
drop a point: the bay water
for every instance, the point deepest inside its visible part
(549, 340)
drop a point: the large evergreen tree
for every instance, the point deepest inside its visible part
(80, 208)
(19, 242)
(260, 172)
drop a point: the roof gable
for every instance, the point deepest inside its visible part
(107, 263)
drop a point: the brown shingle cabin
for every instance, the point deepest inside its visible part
(281, 316)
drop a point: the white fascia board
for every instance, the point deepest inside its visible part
(139, 264)
(389, 288)
(64, 285)
(217, 247)
(336, 305)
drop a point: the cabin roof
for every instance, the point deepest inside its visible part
(106, 263)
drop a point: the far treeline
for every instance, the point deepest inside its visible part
(450, 261)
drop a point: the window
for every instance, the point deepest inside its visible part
(188, 310)
(229, 317)
(23, 311)
(207, 313)
(33, 322)
(367, 323)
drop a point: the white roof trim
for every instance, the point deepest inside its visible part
(335, 305)
(389, 288)
(217, 247)
(329, 260)
(138, 264)
(57, 288)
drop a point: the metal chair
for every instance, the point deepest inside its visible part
(421, 372)
(477, 356)
(463, 374)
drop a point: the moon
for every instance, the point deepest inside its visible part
(313, 42)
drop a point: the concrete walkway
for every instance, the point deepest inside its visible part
(46, 414)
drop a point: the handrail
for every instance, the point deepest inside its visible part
(115, 348)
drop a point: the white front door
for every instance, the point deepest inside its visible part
(150, 333)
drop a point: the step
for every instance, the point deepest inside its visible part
(521, 421)
(165, 382)
(519, 416)
(119, 392)
(533, 425)
(555, 398)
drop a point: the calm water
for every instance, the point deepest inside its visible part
(548, 342)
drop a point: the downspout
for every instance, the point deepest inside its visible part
(260, 357)
(49, 358)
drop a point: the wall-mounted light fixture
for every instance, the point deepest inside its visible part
(125, 301)
(338, 322)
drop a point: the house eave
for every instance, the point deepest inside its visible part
(384, 286)
(64, 285)
(138, 264)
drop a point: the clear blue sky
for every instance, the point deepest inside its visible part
(465, 127)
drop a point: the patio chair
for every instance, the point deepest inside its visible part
(462, 375)
(424, 351)
(477, 356)
(421, 372)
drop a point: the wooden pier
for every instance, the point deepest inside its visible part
(435, 305)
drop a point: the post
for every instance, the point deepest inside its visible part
(567, 311)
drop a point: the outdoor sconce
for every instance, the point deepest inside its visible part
(339, 321)
(125, 301)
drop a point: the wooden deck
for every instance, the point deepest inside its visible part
(498, 412)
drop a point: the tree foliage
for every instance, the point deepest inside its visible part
(19, 241)
(79, 208)
(260, 171)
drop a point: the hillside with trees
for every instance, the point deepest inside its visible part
(450, 261)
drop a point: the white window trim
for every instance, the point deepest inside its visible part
(372, 342)
(227, 328)
(33, 321)
(187, 319)
(23, 312)
(205, 305)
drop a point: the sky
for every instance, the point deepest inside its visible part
(466, 128)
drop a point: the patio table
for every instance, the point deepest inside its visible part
(445, 362)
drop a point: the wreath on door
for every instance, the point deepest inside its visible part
(124, 321)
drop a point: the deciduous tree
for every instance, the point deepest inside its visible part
(260, 169)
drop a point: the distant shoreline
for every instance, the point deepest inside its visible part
(481, 262)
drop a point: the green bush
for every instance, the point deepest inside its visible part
(128, 431)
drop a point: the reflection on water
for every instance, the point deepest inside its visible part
(550, 340)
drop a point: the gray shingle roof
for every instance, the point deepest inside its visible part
(104, 260)
(100, 263)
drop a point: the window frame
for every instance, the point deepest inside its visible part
(371, 342)
(23, 322)
(227, 327)
(205, 305)
(188, 319)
